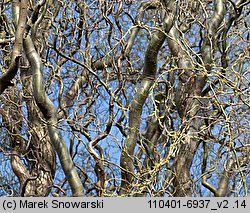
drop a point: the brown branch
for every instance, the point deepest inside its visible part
(20, 170)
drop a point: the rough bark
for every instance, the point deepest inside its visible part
(49, 112)
(190, 88)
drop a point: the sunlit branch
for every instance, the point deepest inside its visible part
(6, 78)
(148, 78)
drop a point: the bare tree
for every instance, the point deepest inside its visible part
(135, 98)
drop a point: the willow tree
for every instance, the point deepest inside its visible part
(147, 98)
